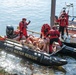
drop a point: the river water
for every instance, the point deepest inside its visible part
(38, 11)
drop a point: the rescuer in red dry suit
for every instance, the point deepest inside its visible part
(53, 35)
(44, 30)
(67, 19)
(62, 25)
(23, 28)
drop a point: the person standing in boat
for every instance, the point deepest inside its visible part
(67, 19)
(53, 35)
(62, 25)
(23, 28)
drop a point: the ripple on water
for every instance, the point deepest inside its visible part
(14, 64)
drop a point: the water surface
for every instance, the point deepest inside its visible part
(38, 11)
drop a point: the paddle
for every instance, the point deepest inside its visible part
(57, 50)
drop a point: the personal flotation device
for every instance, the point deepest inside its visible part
(66, 16)
(62, 22)
(23, 29)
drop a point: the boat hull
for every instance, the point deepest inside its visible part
(68, 51)
(70, 44)
(35, 56)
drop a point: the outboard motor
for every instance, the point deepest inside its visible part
(9, 31)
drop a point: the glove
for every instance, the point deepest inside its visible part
(29, 21)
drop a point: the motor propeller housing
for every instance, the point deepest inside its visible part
(9, 30)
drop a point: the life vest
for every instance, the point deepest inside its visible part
(66, 16)
(23, 27)
(62, 22)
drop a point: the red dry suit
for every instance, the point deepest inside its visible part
(23, 27)
(44, 30)
(66, 16)
(62, 25)
(62, 22)
(54, 37)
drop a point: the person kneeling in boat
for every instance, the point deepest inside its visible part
(53, 35)
(44, 30)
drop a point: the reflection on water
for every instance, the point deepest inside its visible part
(16, 65)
